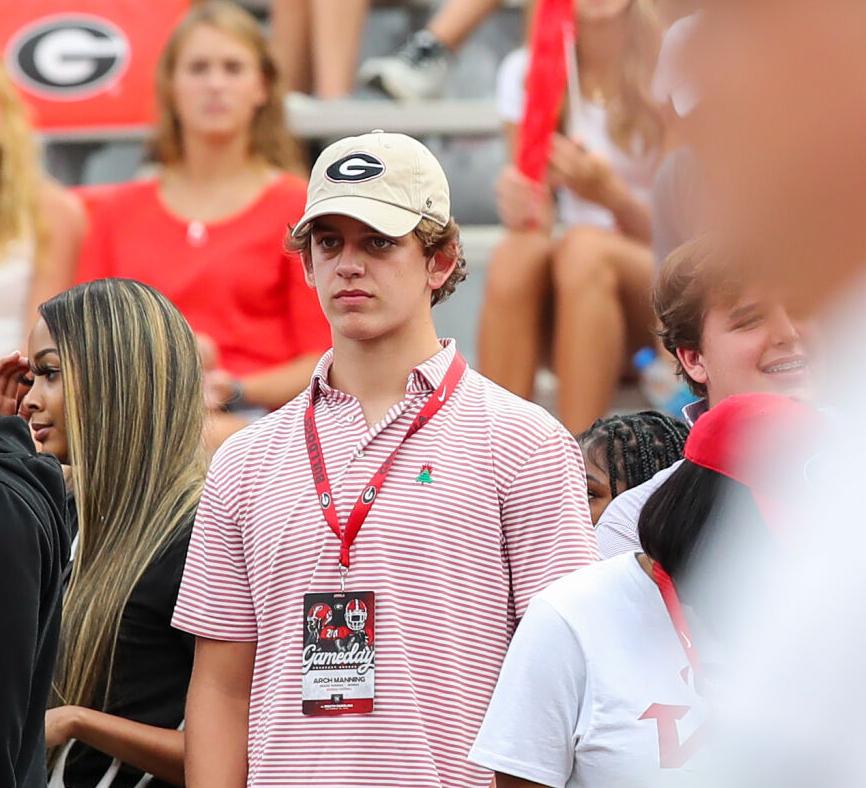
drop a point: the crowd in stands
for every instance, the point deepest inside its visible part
(260, 525)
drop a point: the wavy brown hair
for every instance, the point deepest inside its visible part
(702, 273)
(132, 385)
(269, 136)
(434, 238)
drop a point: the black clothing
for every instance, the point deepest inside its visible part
(34, 549)
(152, 666)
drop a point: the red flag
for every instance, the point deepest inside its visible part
(553, 30)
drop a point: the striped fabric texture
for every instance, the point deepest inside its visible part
(483, 508)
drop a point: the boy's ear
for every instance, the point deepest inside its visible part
(439, 267)
(308, 269)
(693, 365)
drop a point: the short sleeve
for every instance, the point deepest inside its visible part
(510, 92)
(310, 330)
(215, 599)
(546, 521)
(531, 727)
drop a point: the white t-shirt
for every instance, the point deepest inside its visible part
(596, 690)
(590, 127)
(16, 273)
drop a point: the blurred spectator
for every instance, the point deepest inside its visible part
(316, 44)
(34, 548)
(208, 230)
(677, 201)
(117, 395)
(599, 272)
(41, 225)
(783, 146)
(621, 452)
(418, 70)
(779, 135)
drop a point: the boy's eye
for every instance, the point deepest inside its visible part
(381, 243)
(748, 321)
(327, 242)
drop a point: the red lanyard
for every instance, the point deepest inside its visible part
(672, 602)
(365, 501)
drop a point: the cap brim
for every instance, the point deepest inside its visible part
(383, 217)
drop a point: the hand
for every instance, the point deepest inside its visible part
(220, 388)
(586, 174)
(12, 368)
(522, 203)
(61, 724)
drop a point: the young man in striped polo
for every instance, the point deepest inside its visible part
(361, 556)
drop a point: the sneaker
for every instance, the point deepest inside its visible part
(417, 71)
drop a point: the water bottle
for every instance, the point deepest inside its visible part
(663, 389)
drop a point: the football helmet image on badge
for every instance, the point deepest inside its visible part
(318, 617)
(356, 615)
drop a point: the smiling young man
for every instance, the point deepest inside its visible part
(728, 336)
(361, 556)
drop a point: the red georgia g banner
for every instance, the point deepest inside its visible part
(553, 29)
(87, 65)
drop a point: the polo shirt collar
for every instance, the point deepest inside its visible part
(426, 377)
(693, 410)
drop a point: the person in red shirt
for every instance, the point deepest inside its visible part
(208, 229)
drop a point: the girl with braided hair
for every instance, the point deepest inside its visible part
(622, 451)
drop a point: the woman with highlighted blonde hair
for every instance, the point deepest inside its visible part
(596, 274)
(41, 225)
(116, 394)
(208, 229)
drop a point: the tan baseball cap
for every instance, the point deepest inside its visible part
(387, 181)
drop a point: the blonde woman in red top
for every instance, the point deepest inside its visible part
(208, 229)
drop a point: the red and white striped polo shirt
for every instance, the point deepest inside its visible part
(453, 563)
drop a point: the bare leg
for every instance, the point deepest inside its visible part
(290, 42)
(336, 40)
(512, 318)
(456, 19)
(601, 283)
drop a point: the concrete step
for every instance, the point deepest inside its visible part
(311, 118)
